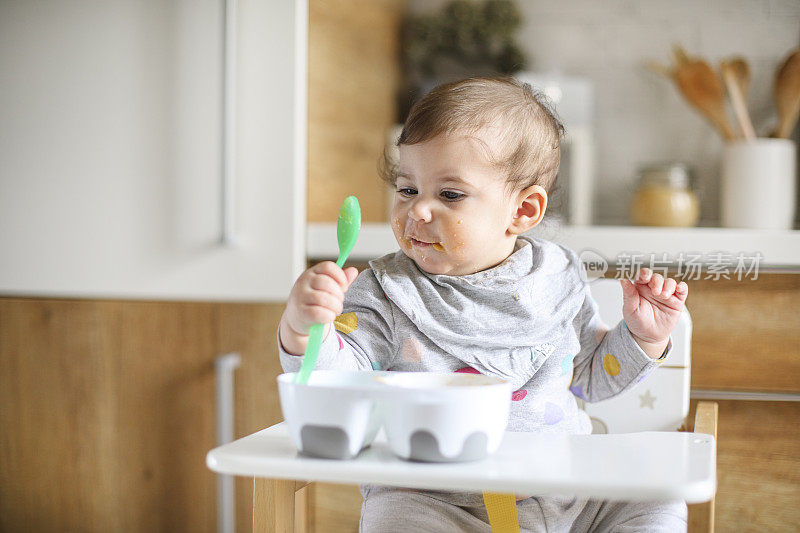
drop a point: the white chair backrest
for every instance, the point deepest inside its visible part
(660, 402)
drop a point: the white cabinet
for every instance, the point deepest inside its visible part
(111, 135)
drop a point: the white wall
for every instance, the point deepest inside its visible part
(640, 117)
(110, 149)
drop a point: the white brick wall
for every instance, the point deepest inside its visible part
(640, 117)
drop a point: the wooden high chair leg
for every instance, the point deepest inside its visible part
(274, 506)
(701, 515)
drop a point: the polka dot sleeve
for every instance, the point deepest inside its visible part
(609, 361)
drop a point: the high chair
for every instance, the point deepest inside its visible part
(646, 421)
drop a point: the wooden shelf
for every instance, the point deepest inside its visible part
(780, 250)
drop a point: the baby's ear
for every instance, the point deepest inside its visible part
(530, 203)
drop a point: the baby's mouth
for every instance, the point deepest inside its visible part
(422, 244)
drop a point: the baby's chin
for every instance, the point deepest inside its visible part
(445, 268)
(424, 263)
(430, 269)
(438, 268)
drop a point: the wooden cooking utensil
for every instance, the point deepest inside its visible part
(701, 87)
(787, 94)
(733, 84)
(742, 70)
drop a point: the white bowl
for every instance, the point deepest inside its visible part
(444, 417)
(428, 416)
(335, 415)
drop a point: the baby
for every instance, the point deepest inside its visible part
(467, 292)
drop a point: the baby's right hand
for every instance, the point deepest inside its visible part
(316, 298)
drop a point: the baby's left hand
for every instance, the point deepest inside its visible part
(652, 305)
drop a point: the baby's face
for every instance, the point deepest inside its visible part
(451, 211)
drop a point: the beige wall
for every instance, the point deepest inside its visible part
(639, 117)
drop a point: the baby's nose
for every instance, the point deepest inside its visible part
(420, 211)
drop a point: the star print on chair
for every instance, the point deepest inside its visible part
(647, 400)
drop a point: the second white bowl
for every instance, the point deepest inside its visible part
(444, 417)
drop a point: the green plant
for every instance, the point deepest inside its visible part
(464, 36)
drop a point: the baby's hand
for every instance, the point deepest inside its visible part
(316, 298)
(652, 305)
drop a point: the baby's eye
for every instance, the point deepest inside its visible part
(407, 191)
(452, 196)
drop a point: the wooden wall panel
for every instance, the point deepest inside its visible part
(353, 70)
(758, 466)
(107, 411)
(50, 435)
(746, 334)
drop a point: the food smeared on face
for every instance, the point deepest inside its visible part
(451, 211)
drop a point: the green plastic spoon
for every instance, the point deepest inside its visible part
(346, 233)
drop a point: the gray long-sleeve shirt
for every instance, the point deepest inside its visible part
(530, 320)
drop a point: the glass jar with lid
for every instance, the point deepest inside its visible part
(664, 197)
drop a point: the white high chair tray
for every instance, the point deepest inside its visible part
(625, 466)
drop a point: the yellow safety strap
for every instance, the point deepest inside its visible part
(502, 511)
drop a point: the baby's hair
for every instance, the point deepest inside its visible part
(529, 129)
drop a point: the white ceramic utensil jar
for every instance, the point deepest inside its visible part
(758, 184)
